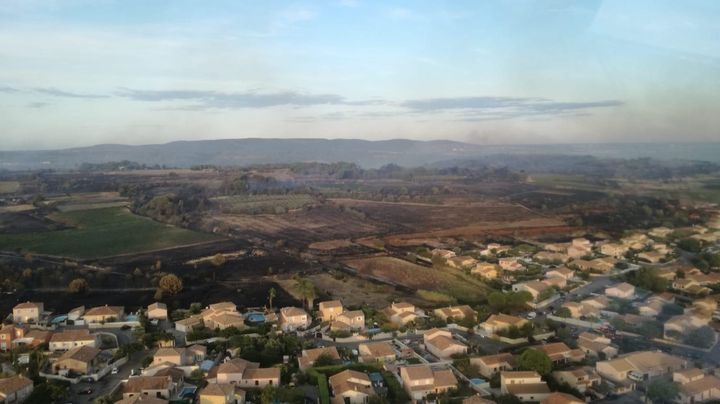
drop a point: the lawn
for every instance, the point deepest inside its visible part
(8, 187)
(101, 233)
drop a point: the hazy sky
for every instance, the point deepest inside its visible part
(81, 72)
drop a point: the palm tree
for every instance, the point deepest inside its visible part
(307, 290)
(271, 295)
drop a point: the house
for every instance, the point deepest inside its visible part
(596, 345)
(142, 400)
(535, 288)
(559, 352)
(677, 327)
(330, 309)
(222, 315)
(486, 270)
(525, 385)
(549, 257)
(376, 352)
(597, 265)
(696, 386)
(69, 339)
(488, 365)
(293, 318)
(81, 360)
(455, 312)
(615, 250)
(560, 272)
(28, 312)
(706, 306)
(157, 311)
(401, 313)
(510, 264)
(34, 338)
(350, 387)
(555, 282)
(221, 393)
(561, 398)
(244, 373)
(104, 314)
(660, 232)
(175, 356)
(652, 257)
(188, 324)
(461, 262)
(76, 313)
(637, 241)
(494, 248)
(653, 306)
(10, 333)
(196, 353)
(622, 290)
(500, 322)
(421, 380)
(644, 364)
(440, 343)
(349, 321)
(308, 356)
(581, 378)
(15, 389)
(442, 253)
(151, 386)
(690, 286)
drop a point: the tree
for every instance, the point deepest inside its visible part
(78, 285)
(325, 359)
(496, 300)
(171, 284)
(272, 293)
(690, 244)
(703, 337)
(218, 260)
(306, 289)
(532, 359)
(661, 391)
(268, 394)
(563, 312)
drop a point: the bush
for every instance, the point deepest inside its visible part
(703, 337)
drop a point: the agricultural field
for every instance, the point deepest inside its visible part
(453, 283)
(8, 187)
(255, 204)
(102, 232)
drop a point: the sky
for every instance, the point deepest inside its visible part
(84, 72)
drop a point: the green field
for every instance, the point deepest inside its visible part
(257, 204)
(101, 233)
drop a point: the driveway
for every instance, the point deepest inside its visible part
(106, 384)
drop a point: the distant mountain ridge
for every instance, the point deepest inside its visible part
(367, 153)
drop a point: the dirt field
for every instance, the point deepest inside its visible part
(331, 245)
(400, 272)
(303, 227)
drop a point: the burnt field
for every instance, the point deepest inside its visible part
(244, 294)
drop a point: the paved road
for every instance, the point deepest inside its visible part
(106, 384)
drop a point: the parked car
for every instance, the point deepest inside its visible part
(531, 315)
(85, 392)
(114, 371)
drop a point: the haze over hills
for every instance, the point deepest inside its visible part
(370, 154)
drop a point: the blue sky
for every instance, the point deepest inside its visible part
(81, 72)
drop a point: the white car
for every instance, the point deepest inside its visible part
(531, 315)
(114, 371)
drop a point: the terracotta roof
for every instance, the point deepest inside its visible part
(140, 383)
(142, 400)
(217, 390)
(292, 312)
(419, 372)
(498, 358)
(701, 385)
(82, 353)
(527, 388)
(378, 349)
(350, 380)
(261, 373)
(170, 351)
(237, 365)
(444, 377)
(561, 398)
(330, 304)
(72, 335)
(28, 305)
(520, 374)
(11, 385)
(104, 311)
(157, 305)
